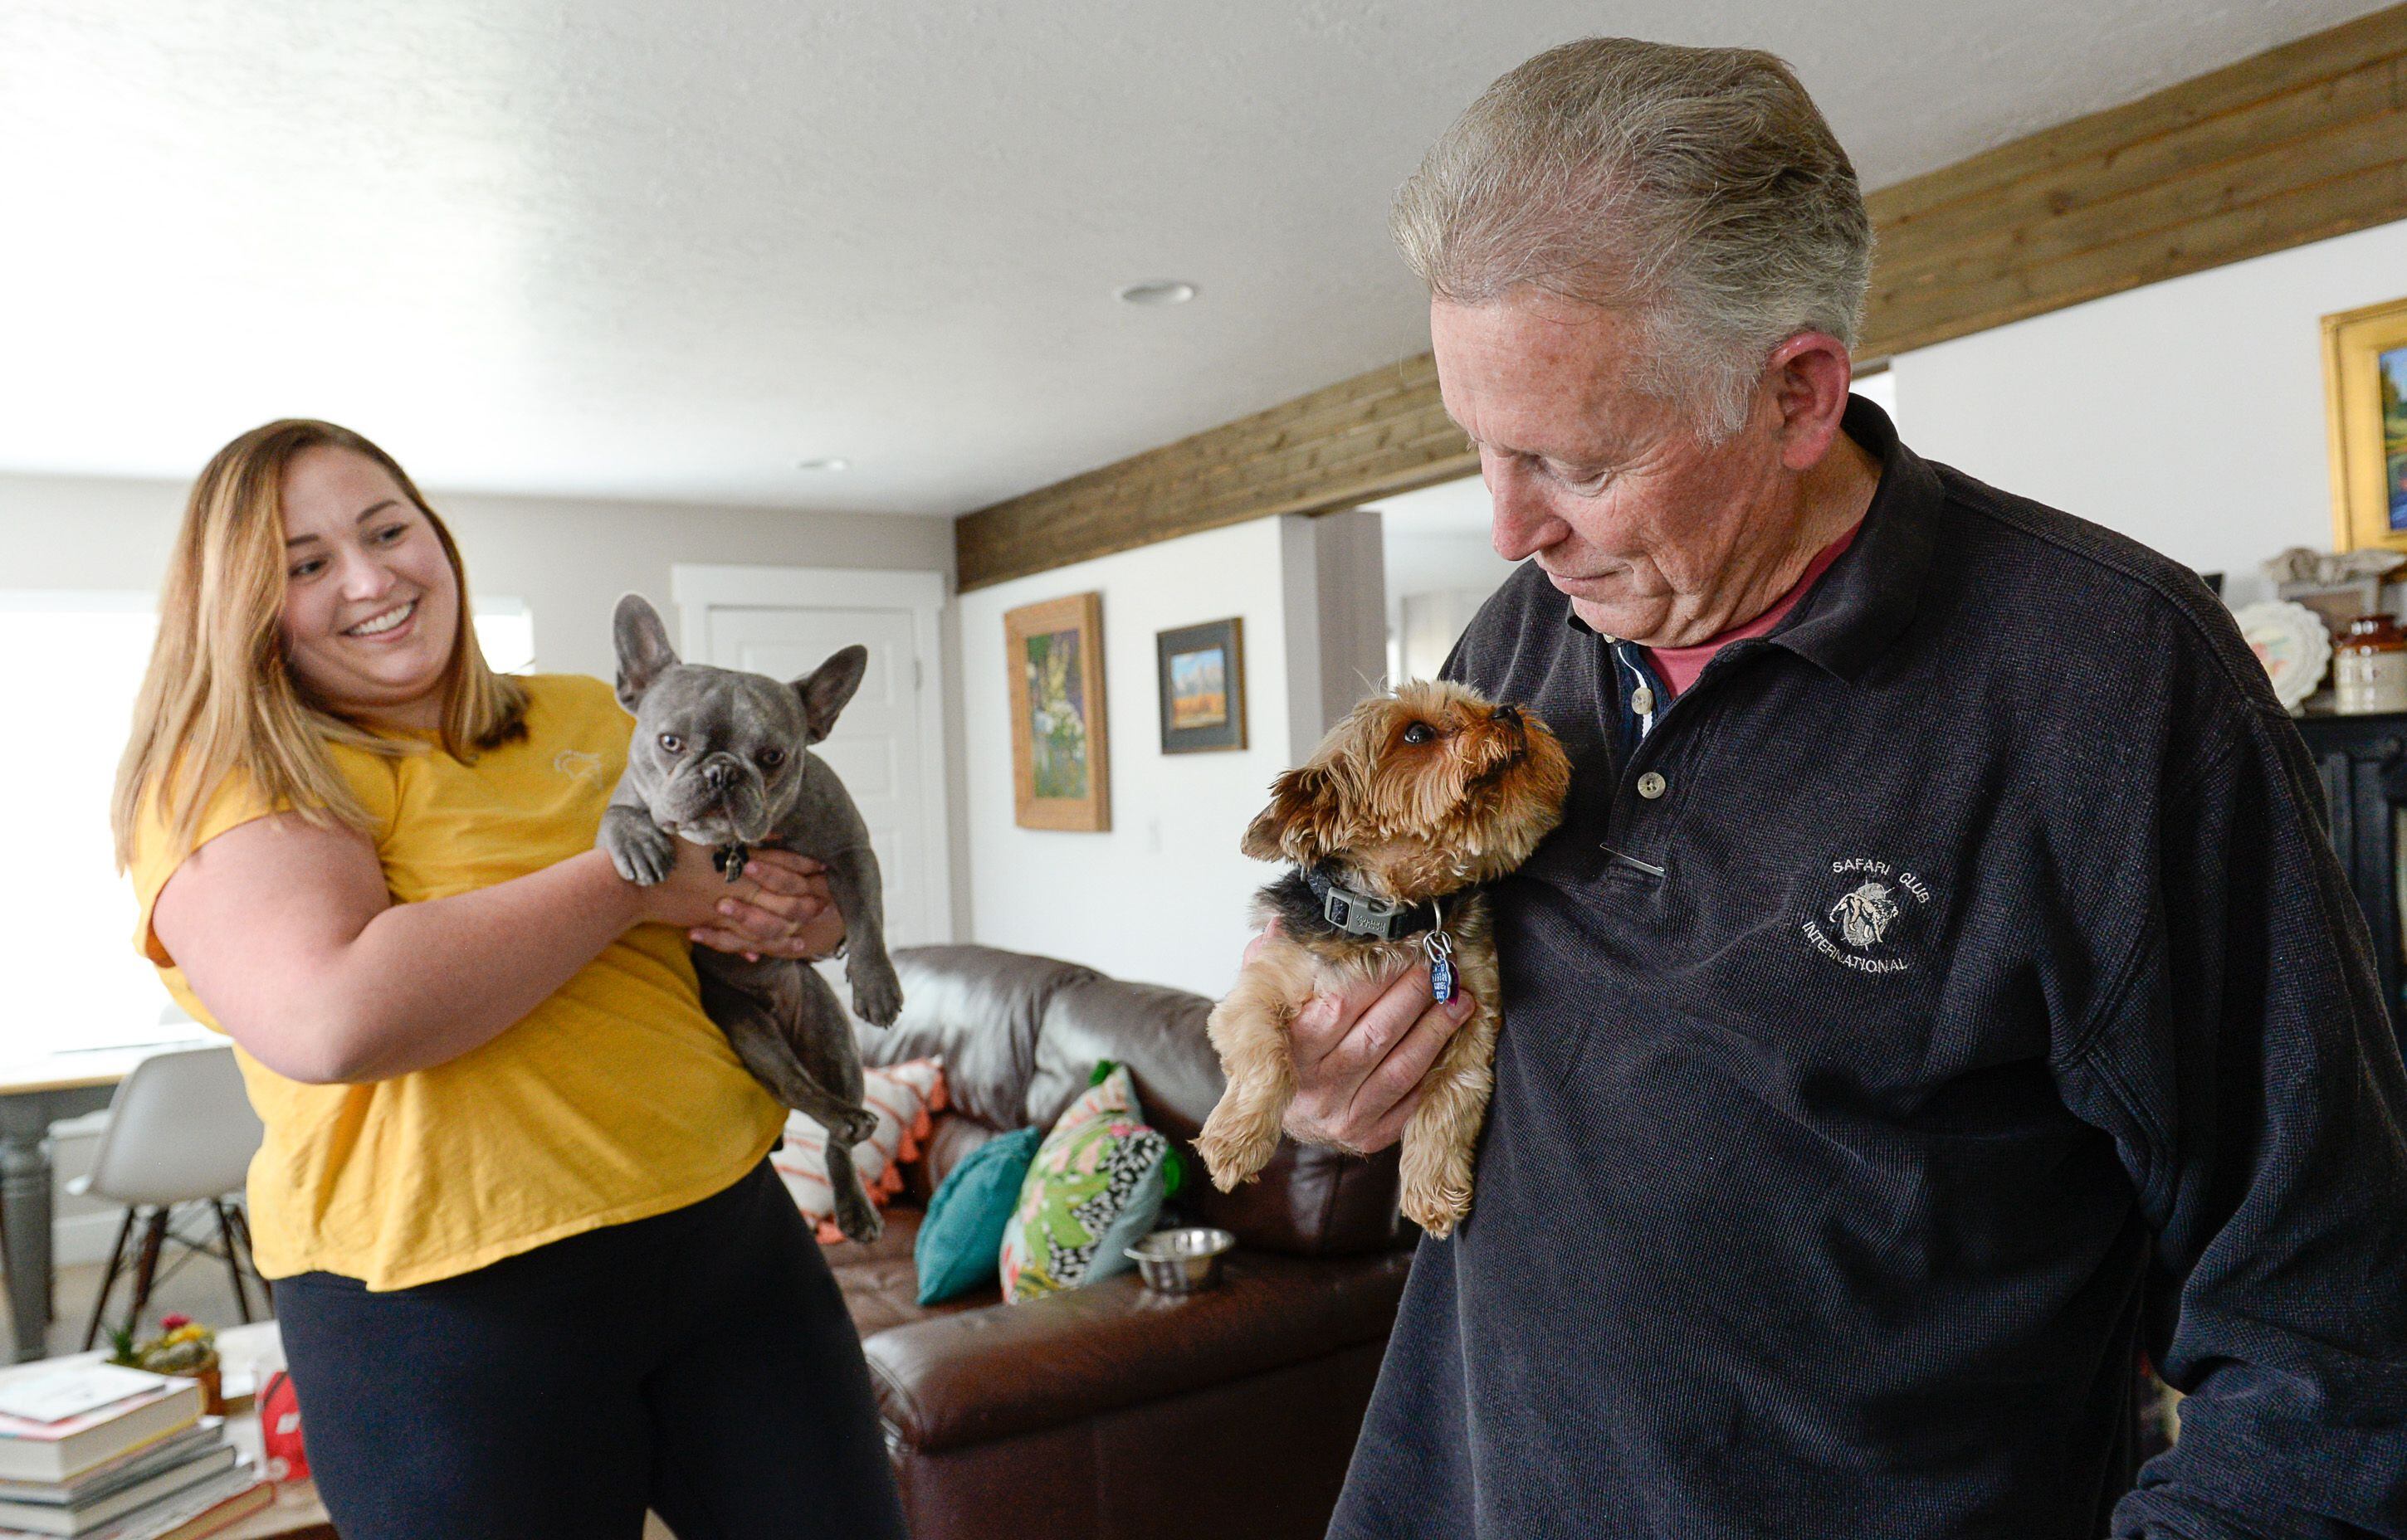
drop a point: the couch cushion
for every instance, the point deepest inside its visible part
(1309, 1202)
(977, 1007)
(951, 1141)
(961, 1241)
(1093, 1190)
(880, 1287)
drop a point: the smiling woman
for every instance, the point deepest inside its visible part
(480, 1055)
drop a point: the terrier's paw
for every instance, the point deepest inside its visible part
(877, 993)
(641, 849)
(1435, 1209)
(1234, 1157)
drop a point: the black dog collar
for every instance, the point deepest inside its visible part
(1359, 915)
(1354, 913)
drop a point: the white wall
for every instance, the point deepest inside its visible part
(569, 559)
(1163, 896)
(2188, 415)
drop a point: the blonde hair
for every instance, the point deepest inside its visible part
(1699, 186)
(220, 698)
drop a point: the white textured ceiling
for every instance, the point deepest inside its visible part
(603, 246)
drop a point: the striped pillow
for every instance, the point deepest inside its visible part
(904, 1095)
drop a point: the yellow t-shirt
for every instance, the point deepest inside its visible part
(613, 1100)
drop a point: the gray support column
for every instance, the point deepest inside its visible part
(1335, 582)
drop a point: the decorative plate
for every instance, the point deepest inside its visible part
(2290, 640)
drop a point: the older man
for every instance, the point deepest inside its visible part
(1941, 989)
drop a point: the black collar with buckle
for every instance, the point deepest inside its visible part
(1358, 913)
(1309, 898)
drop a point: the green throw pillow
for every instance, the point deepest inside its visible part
(1095, 1188)
(959, 1241)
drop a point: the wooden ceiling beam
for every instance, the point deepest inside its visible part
(2298, 144)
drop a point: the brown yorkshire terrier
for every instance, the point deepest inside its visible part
(1407, 806)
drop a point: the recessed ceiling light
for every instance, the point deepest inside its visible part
(1156, 291)
(825, 462)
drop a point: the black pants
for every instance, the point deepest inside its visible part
(699, 1362)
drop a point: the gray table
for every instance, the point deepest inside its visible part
(34, 1095)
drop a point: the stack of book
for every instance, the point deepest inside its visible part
(95, 1451)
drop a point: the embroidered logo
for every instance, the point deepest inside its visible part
(1868, 912)
(577, 764)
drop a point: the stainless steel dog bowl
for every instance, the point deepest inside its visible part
(1181, 1262)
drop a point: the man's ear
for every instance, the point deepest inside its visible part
(826, 689)
(644, 650)
(1301, 822)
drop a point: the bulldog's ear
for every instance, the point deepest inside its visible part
(1301, 824)
(644, 650)
(826, 689)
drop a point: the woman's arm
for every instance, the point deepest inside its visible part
(288, 934)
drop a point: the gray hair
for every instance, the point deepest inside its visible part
(1699, 185)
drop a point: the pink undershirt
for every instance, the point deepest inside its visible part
(1678, 666)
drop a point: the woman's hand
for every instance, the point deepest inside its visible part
(1361, 1058)
(780, 906)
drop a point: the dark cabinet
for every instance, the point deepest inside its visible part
(2363, 760)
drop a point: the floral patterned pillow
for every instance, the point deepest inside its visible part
(1096, 1188)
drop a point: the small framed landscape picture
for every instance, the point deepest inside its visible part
(1202, 671)
(1060, 756)
(2364, 410)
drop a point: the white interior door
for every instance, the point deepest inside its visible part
(886, 743)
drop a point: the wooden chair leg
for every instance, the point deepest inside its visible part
(145, 1268)
(233, 1258)
(109, 1279)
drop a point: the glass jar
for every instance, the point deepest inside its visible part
(2369, 667)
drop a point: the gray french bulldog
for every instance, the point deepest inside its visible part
(722, 758)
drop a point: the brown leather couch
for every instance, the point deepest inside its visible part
(1112, 1413)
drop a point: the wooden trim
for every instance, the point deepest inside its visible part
(1374, 435)
(2303, 142)
(2298, 144)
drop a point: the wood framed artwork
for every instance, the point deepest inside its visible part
(1203, 674)
(2365, 381)
(1060, 755)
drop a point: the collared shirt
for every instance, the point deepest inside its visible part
(1954, 994)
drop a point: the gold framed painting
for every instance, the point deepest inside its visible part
(1060, 752)
(2365, 384)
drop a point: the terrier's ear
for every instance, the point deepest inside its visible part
(1301, 822)
(826, 689)
(644, 650)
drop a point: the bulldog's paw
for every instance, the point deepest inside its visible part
(857, 1127)
(642, 851)
(856, 1216)
(877, 993)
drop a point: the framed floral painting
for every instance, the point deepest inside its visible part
(1061, 755)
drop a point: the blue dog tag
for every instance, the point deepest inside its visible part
(1439, 946)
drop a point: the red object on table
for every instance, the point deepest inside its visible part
(279, 1430)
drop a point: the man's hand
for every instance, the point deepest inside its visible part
(1360, 1057)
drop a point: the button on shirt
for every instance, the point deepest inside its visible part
(1952, 994)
